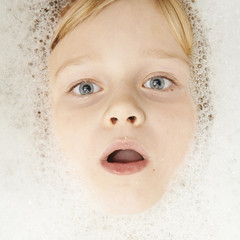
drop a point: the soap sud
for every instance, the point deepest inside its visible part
(39, 197)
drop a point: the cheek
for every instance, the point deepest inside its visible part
(173, 129)
(172, 116)
(72, 127)
(174, 125)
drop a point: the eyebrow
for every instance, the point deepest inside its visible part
(154, 53)
(76, 61)
(161, 53)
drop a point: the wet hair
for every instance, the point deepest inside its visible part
(79, 10)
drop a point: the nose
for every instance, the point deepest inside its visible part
(124, 112)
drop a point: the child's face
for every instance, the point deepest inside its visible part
(129, 55)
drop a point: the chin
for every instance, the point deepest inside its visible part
(118, 204)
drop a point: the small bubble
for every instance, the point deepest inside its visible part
(205, 105)
(199, 107)
(210, 117)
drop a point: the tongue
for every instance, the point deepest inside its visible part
(125, 156)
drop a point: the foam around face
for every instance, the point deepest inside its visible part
(42, 199)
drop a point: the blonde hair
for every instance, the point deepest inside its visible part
(77, 11)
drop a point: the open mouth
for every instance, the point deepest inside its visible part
(124, 156)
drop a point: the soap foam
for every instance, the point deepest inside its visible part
(40, 199)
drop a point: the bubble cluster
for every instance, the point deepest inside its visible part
(41, 200)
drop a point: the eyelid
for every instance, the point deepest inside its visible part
(167, 87)
(167, 76)
(83, 81)
(86, 80)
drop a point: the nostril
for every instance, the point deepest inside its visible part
(132, 118)
(113, 120)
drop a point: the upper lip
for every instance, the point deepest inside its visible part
(122, 145)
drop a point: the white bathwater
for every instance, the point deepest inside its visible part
(39, 199)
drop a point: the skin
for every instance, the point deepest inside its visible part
(119, 53)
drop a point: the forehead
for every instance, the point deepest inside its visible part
(123, 29)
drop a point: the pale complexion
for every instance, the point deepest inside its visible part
(120, 50)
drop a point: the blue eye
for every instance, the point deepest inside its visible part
(158, 83)
(85, 88)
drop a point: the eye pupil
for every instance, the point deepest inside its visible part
(86, 88)
(157, 83)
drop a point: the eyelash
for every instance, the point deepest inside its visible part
(162, 76)
(81, 82)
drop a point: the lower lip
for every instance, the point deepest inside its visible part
(124, 168)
